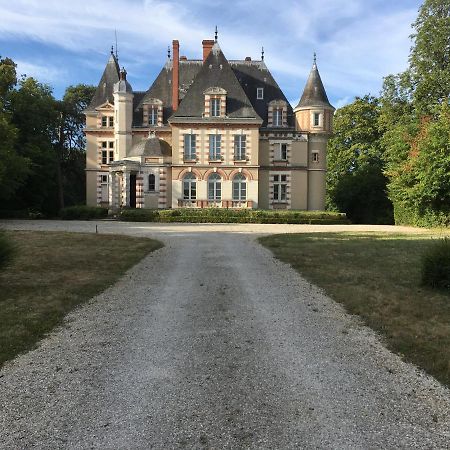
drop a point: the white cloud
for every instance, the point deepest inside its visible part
(41, 72)
(357, 42)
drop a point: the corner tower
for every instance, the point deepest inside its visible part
(314, 114)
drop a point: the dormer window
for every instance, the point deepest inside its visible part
(277, 120)
(107, 121)
(104, 121)
(277, 113)
(215, 107)
(215, 102)
(153, 115)
(260, 93)
(152, 110)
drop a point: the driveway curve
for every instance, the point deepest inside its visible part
(210, 342)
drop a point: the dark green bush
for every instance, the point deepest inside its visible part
(436, 265)
(219, 215)
(82, 212)
(7, 250)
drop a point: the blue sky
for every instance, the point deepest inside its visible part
(357, 41)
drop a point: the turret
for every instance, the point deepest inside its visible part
(123, 114)
(314, 114)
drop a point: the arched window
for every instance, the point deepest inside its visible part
(151, 183)
(239, 188)
(214, 187)
(189, 187)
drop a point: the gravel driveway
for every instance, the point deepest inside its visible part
(212, 343)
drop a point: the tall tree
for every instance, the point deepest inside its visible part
(356, 184)
(429, 61)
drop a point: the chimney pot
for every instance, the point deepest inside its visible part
(248, 58)
(207, 46)
(183, 58)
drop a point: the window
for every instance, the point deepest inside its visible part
(214, 187)
(316, 119)
(214, 107)
(239, 188)
(214, 147)
(280, 152)
(315, 156)
(107, 155)
(279, 188)
(189, 147)
(189, 187)
(239, 147)
(151, 183)
(259, 93)
(111, 121)
(153, 116)
(104, 121)
(104, 188)
(277, 117)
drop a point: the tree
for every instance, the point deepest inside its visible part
(429, 60)
(356, 184)
(413, 114)
(13, 167)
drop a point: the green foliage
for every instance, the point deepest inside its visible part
(436, 265)
(7, 250)
(82, 212)
(429, 58)
(219, 215)
(356, 184)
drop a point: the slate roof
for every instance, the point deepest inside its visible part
(104, 92)
(162, 87)
(314, 93)
(255, 74)
(216, 72)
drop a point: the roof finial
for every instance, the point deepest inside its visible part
(117, 54)
(315, 59)
(215, 35)
(112, 49)
(168, 51)
(262, 53)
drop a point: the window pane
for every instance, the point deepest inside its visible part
(104, 119)
(283, 191)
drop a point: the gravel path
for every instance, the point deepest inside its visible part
(212, 343)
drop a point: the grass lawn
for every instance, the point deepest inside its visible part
(377, 276)
(51, 274)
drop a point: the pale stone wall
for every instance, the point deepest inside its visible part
(263, 189)
(299, 153)
(91, 188)
(316, 190)
(299, 189)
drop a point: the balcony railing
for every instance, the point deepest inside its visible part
(215, 203)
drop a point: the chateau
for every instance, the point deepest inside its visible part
(208, 133)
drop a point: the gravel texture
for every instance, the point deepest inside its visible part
(210, 342)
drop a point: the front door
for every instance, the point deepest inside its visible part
(133, 191)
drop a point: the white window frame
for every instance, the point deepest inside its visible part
(110, 121)
(277, 117)
(240, 147)
(189, 147)
(239, 188)
(215, 143)
(153, 116)
(104, 186)
(215, 187)
(104, 121)
(278, 151)
(190, 186)
(280, 188)
(318, 116)
(260, 93)
(107, 154)
(214, 107)
(148, 182)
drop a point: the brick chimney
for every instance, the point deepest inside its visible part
(175, 74)
(207, 46)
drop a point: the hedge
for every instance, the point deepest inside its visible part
(83, 212)
(219, 215)
(436, 265)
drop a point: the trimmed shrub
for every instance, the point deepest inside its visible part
(436, 265)
(7, 250)
(219, 215)
(82, 212)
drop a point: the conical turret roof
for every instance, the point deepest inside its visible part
(104, 92)
(314, 93)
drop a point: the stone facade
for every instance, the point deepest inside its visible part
(208, 133)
